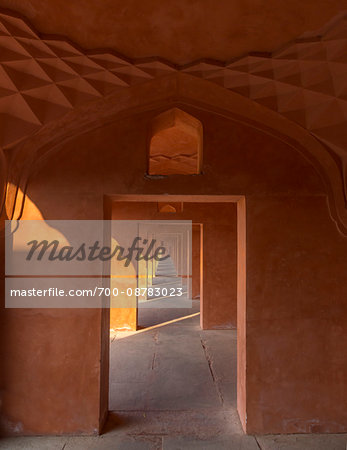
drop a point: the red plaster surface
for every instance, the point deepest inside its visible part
(292, 324)
(177, 30)
(296, 318)
(196, 260)
(42, 81)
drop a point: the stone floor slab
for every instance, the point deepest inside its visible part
(114, 443)
(120, 396)
(33, 443)
(303, 442)
(204, 424)
(226, 443)
(165, 369)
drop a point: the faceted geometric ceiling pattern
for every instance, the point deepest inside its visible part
(43, 79)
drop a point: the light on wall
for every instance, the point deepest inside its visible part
(175, 144)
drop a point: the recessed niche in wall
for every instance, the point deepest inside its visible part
(175, 144)
(172, 207)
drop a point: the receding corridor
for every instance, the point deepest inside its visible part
(173, 234)
(172, 387)
(173, 367)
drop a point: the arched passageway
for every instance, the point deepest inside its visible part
(275, 173)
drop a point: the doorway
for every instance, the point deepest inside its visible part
(182, 360)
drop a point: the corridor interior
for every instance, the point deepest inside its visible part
(174, 377)
(172, 386)
(170, 375)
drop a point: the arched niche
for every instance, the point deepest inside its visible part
(175, 144)
(27, 155)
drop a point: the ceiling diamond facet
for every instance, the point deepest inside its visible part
(41, 80)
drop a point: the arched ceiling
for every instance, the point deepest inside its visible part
(180, 31)
(42, 79)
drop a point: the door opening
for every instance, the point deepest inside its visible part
(172, 362)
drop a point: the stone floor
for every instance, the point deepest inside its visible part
(172, 386)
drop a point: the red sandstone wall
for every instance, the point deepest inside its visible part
(295, 313)
(296, 318)
(196, 244)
